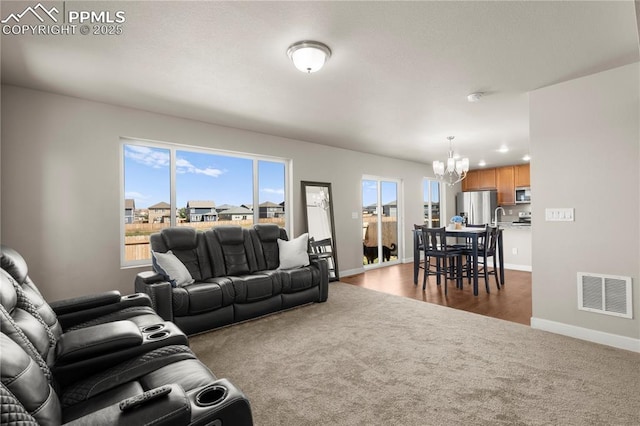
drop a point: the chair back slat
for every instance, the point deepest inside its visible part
(434, 239)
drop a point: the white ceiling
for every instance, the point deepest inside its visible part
(396, 84)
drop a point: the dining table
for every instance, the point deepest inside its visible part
(473, 235)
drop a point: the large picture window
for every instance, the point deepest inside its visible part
(168, 185)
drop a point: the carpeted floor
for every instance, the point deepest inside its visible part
(366, 358)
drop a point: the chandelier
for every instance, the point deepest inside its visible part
(455, 171)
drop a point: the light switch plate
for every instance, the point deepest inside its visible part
(565, 214)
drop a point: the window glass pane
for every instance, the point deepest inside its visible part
(432, 203)
(435, 204)
(271, 182)
(147, 196)
(389, 201)
(213, 190)
(369, 221)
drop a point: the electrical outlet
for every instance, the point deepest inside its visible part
(510, 212)
(514, 250)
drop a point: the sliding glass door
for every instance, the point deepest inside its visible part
(380, 226)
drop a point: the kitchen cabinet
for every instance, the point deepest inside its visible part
(487, 178)
(522, 175)
(505, 182)
(477, 180)
(472, 181)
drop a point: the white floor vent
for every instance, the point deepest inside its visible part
(605, 294)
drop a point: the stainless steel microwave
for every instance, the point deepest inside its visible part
(523, 195)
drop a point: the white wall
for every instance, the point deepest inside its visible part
(585, 148)
(61, 184)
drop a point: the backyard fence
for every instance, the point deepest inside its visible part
(136, 237)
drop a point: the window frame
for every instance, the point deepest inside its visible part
(173, 148)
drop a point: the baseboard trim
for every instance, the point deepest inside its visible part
(614, 340)
(515, 267)
(350, 272)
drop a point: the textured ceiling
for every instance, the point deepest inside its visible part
(396, 84)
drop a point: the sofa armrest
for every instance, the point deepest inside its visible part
(98, 339)
(84, 351)
(66, 306)
(159, 291)
(71, 312)
(321, 263)
(173, 408)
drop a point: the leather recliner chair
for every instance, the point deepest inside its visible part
(33, 389)
(80, 312)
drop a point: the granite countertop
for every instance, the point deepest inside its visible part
(511, 225)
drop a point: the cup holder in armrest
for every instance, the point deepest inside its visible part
(211, 395)
(153, 328)
(159, 335)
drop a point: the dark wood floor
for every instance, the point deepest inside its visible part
(511, 303)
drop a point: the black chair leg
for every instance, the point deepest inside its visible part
(486, 275)
(495, 272)
(427, 267)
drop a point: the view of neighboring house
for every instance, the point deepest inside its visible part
(236, 213)
(271, 210)
(201, 211)
(160, 213)
(371, 209)
(129, 210)
(224, 207)
(390, 209)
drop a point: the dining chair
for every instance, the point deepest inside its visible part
(486, 249)
(448, 258)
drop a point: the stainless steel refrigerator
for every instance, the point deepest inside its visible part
(477, 206)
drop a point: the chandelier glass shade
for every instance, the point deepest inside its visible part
(453, 171)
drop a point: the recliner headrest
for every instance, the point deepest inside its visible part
(267, 231)
(180, 238)
(12, 262)
(229, 234)
(8, 296)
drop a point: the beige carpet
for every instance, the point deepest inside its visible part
(367, 358)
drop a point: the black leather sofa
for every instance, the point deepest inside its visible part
(104, 370)
(236, 277)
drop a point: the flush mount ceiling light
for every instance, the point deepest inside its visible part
(526, 158)
(309, 56)
(456, 169)
(475, 97)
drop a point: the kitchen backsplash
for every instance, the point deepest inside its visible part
(512, 212)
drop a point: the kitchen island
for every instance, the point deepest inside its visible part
(517, 246)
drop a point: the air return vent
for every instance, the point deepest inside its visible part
(605, 294)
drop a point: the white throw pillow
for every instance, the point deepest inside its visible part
(293, 253)
(170, 266)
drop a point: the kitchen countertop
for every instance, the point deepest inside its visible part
(511, 225)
